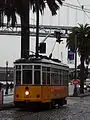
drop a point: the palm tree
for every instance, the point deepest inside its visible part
(83, 45)
(11, 7)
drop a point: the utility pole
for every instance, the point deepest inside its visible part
(75, 85)
(37, 27)
(75, 57)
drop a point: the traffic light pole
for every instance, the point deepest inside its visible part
(75, 57)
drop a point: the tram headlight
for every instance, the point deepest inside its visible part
(26, 92)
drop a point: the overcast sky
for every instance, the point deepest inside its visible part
(10, 45)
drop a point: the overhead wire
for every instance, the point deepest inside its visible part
(82, 6)
(76, 7)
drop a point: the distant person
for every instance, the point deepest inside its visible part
(7, 87)
(11, 86)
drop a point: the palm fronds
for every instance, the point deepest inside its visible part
(11, 7)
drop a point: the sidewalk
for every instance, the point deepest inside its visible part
(81, 95)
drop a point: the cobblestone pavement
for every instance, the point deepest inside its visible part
(76, 109)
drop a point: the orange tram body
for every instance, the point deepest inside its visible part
(40, 80)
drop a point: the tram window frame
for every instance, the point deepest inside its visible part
(18, 79)
(37, 68)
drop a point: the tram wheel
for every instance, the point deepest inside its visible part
(62, 102)
(45, 106)
(53, 104)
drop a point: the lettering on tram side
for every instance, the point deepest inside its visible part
(55, 89)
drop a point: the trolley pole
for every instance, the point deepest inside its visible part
(6, 92)
(75, 85)
(37, 27)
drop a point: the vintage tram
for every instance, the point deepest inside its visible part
(41, 81)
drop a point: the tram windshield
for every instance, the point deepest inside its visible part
(37, 71)
(27, 76)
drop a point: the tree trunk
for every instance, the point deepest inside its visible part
(37, 27)
(82, 74)
(25, 31)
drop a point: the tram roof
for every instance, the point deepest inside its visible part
(43, 59)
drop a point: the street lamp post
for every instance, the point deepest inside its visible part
(75, 85)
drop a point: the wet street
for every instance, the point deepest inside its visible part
(76, 109)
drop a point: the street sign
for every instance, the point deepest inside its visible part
(71, 56)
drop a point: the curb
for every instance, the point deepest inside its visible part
(81, 95)
(7, 106)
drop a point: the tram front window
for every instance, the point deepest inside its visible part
(18, 77)
(27, 76)
(37, 77)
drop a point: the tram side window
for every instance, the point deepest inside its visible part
(67, 77)
(44, 77)
(48, 78)
(64, 80)
(57, 77)
(61, 77)
(52, 76)
(48, 75)
(27, 76)
(18, 77)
